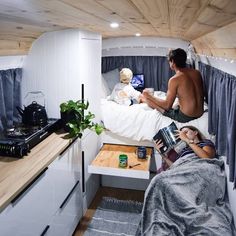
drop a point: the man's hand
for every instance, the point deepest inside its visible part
(146, 93)
(148, 98)
(142, 98)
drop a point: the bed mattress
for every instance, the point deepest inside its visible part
(140, 122)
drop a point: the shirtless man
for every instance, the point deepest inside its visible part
(186, 84)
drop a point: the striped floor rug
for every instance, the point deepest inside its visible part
(115, 217)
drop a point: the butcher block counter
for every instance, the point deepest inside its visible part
(16, 174)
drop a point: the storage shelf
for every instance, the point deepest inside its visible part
(107, 162)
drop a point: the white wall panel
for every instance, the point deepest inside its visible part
(90, 48)
(11, 62)
(228, 66)
(56, 66)
(141, 46)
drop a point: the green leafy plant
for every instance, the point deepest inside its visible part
(77, 118)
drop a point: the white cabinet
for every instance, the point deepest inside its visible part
(31, 211)
(68, 215)
(58, 63)
(90, 146)
(51, 203)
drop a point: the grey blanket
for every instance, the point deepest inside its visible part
(188, 199)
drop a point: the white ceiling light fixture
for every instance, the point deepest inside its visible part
(114, 25)
(137, 34)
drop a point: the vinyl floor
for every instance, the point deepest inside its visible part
(122, 194)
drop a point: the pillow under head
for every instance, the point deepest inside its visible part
(110, 79)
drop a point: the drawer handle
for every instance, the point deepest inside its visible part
(83, 173)
(69, 194)
(68, 147)
(28, 186)
(45, 230)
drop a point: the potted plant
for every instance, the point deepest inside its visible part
(76, 118)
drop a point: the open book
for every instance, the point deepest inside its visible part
(169, 140)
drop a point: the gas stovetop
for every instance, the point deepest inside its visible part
(17, 141)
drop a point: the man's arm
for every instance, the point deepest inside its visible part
(163, 104)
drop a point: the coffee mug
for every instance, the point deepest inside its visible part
(141, 152)
(150, 90)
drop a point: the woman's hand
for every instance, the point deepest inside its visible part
(182, 135)
(202, 152)
(158, 145)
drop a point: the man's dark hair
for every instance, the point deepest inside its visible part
(178, 56)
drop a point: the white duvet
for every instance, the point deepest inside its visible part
(140, 122)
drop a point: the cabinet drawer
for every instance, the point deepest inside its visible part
(31, 210)
(35, 202)
(63, 183)
(70, 159)
(67, 217)
(22, 228)
(107, 162)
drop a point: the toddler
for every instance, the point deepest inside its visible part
(123, 92)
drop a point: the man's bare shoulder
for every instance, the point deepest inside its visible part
(191, 70)
(174, 80)
(177, 77)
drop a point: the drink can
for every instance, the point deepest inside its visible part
(123, 160)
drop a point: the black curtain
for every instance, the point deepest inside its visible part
(220, 92)
(10, 96)
(155, 69)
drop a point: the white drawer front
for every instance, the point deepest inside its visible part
(70, 159)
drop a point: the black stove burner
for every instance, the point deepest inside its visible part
(22, 131)
(17, 141)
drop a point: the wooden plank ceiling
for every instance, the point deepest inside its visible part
(210, 25)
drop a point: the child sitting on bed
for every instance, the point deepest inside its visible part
(123, 92)
(203, 148)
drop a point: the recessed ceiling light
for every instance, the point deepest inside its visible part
(114, 25)
(137, 34)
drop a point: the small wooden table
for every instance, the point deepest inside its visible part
(107, 162)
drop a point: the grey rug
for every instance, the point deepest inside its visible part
(115, 217)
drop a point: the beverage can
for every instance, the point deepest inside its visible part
(123, 160)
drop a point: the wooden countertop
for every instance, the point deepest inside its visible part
(16, 174)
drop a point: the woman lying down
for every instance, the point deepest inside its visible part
(190, 197)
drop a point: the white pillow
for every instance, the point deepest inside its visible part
(111, 78)
(105, 89)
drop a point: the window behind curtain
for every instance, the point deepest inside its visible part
(220, 91)
(156, 69)
(10, 96)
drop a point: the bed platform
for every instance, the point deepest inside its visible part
(139, 122)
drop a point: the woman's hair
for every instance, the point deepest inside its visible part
(199, 134)
(126, 75)
(178, 56)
